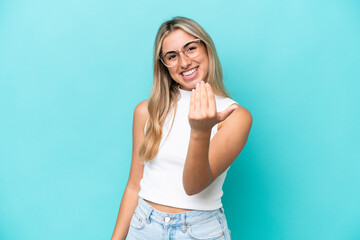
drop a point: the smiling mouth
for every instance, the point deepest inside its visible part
(188, 73)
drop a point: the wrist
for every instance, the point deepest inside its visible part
(200, 134)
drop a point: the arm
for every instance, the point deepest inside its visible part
(206, 159)
(130, 197)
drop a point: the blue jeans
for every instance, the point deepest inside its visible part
(147, 223)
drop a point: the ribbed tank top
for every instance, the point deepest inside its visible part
(162, 176)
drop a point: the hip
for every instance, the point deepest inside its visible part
(149, 223)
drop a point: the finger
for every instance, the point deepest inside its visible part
(192, 103)
(204, 99)
(197, 99)
(211, 99)
(224, 114)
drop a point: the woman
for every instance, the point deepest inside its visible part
(185, 137)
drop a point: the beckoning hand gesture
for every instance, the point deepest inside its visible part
(202, 114)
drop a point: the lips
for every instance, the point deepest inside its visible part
(190, 74)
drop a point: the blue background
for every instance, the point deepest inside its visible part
(72, 72)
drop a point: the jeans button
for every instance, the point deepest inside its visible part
(167, 219)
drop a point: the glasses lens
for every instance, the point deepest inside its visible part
(193, 49)
(171, 58)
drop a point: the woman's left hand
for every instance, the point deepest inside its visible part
(202, 114)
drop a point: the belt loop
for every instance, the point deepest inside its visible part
(148, 214)
(147, 208)
(183, 227)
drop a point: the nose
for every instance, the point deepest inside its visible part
(184, 60)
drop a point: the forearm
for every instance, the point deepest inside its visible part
(127, 208)
(197, 173)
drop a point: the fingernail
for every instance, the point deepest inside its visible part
(197, 85)
(202, 83)
(207, 84)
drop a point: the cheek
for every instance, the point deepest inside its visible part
(205, 65)
(204, 60)
(173, 73)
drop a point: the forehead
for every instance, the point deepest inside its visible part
(176, 40)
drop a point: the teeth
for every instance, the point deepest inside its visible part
(189, 72)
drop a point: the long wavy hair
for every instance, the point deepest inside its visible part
(165, 93)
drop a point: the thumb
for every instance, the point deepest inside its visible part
(224, 114)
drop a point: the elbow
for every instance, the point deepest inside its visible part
(190, 192)
(192, 188)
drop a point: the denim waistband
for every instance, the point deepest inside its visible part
(174, 219)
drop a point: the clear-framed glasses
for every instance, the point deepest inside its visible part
(191, 49)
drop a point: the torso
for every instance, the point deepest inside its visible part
(160, 207)
(166, 209)
(169, 209)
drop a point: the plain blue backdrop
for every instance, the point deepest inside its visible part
(72, 72)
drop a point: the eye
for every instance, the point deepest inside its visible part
(171, 56)
(191, 47)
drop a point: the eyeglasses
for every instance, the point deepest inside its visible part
(191, 49)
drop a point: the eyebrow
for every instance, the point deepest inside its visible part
(186, 44)
(171, 51)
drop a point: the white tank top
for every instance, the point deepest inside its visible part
(162, 176)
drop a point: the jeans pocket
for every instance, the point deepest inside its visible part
(208, 229)
(137, 221)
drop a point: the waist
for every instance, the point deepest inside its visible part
(167, 209)
(146, 211)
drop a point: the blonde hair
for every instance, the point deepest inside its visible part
(164, 95)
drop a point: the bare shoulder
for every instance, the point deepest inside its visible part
(141, 109)
(239, 118)
(141, 113)
(242, 114)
